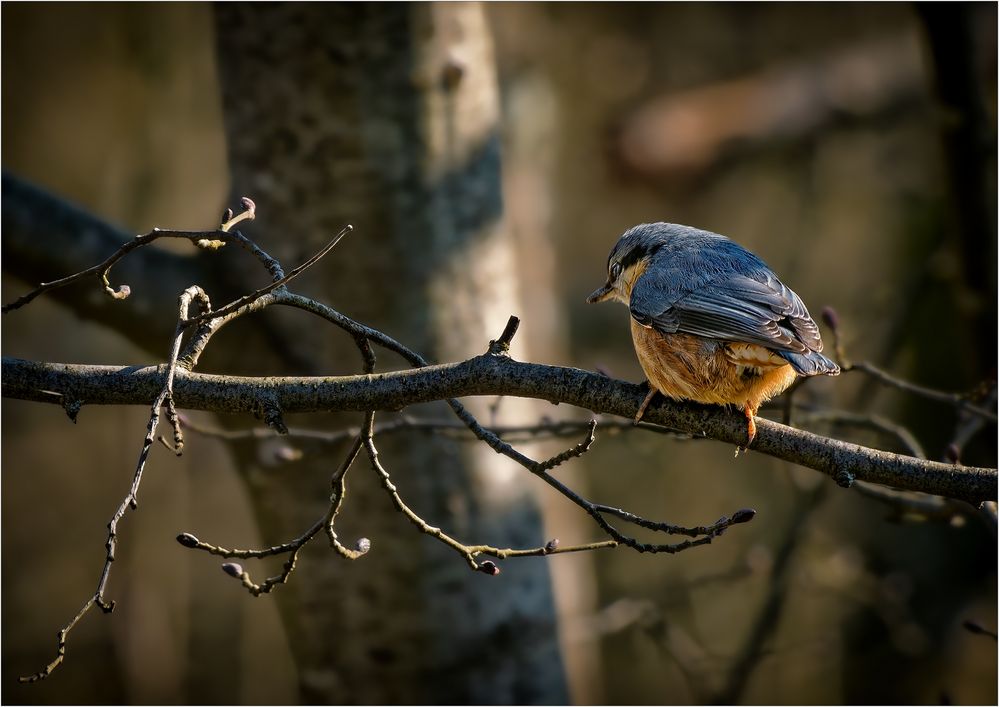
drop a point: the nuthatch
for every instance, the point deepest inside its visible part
(709, 320)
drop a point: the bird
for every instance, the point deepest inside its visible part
(710, 321)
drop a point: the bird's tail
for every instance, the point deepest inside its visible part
(810, 364)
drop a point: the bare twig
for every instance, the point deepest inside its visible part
(499, 350)
(280, 282)
(962, 402)
(131, 500)
(210, 240)
(959, 401)
(841, 418)
(337, 492)
(470, 553)
(544, 429)
(910, 506)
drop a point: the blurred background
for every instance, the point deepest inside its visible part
(851, 146)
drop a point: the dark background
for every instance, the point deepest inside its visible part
(852, 146)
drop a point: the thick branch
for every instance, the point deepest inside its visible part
(485, 375)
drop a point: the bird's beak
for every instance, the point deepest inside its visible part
(601, 294)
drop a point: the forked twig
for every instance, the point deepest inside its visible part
(280, 282)
(210, 240)
(131, 500)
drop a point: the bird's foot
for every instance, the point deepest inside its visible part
(645, 403)
(750, 424)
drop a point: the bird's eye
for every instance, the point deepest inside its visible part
(615, 271)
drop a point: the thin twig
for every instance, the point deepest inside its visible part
(916, 507)
(959, 401)
(468, 552)
(544, 429)
(499, 349)
(210, 240)
(280, 282)
(131, 500)
(905, 439)
(265, 587)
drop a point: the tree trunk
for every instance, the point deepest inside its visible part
(385, 117)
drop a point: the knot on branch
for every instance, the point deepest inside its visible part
(274, 418)
(72, 408)
(844, 478)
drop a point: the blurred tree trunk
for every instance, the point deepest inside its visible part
(968, 139)
(386, 117)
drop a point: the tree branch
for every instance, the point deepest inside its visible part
(486, 375)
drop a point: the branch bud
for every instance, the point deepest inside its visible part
(489, 567)
(830, 317)
(121, 293)
(233, 569)
(187, 540)
(248, 206)
(743, 515)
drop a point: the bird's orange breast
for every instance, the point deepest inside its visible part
(691, 367)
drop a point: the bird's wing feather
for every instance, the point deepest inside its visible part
(727, 299)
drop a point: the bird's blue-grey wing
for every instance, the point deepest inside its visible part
(741, 301)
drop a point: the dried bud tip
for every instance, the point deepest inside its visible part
(187, 540)
(953, 453)
(552, 545)
(362, 545)
(743, 515)
(830, 317)
(248, 205)
(121, 293)
(233, 569)
(489, 567)
(227, 215)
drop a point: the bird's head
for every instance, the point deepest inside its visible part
(628, 259)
